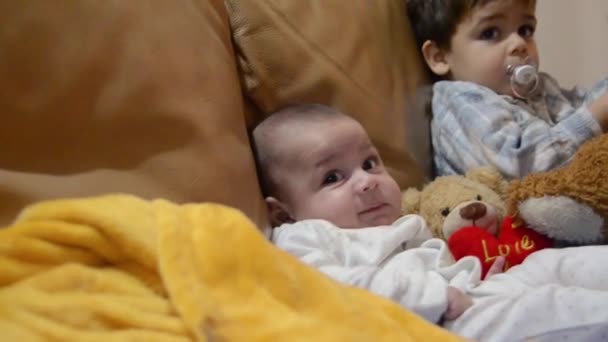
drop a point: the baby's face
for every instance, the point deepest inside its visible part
(334, 173)
(495, 35)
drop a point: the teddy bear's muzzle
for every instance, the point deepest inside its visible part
(473, 211)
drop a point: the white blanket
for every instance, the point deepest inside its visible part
(556, 292)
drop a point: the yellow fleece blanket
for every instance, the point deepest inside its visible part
(118, 268)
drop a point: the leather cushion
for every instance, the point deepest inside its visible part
(140, 97)
(358, 56)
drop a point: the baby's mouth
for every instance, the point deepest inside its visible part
(373, 208)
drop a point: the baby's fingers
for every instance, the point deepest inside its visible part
(497, 267)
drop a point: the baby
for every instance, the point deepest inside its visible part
(336, 208)
(490, 105)
(317, 163)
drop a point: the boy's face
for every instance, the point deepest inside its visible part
(333, 172)
(493, 36)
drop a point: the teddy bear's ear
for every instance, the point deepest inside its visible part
(410, 201)
(490, 177)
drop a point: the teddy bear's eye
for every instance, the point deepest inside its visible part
(478, 197)
(445, 211)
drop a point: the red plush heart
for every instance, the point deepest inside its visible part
(514, 242)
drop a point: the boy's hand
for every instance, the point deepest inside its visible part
(458, 302)
(599, 110)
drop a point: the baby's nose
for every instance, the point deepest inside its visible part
(366, 183)
(473, 211)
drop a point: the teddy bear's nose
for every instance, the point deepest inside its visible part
(473, 211)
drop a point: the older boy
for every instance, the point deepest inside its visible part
(480, 116)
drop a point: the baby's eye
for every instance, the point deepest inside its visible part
(489, 34)
(369, 164)
(445, 211)
(332, 177)
(526, 31)
(478, 197)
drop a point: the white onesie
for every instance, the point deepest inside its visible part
(555, 292)
(401, 262)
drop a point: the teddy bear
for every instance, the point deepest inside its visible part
(570, 203)
(469, 213)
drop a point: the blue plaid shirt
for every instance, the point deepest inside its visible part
(473, 126)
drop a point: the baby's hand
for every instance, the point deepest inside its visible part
(458, 302)
(497, 267)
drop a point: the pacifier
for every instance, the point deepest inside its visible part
(524, 79)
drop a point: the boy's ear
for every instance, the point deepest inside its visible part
(435, 58)
(278, 212)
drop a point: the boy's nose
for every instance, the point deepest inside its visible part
(518, 46)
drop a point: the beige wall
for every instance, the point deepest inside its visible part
(572, 37)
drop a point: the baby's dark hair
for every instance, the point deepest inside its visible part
(266, 138)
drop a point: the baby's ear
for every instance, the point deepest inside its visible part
(278, 213)
(410, 201)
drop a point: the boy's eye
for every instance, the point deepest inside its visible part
(489, 34)
(369, 164)
(526, 31)
(332, 177)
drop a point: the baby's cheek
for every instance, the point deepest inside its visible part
(332, 208)
(394, 193)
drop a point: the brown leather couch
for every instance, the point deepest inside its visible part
(156, 97)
